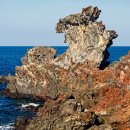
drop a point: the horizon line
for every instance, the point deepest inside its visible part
(52, 46)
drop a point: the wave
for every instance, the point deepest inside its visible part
(29, 104)
(7, 127)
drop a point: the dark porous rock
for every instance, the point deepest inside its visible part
(68, 115)
(8, 93)
(87, 39)
(87, 98)
(3, 79)
(101, 127)
(79, 92)
(39, 55)
(6, 79)
(21, 123)
(88, 14)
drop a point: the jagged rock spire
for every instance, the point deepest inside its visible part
(88, 39)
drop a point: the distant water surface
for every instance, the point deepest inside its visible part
(117, 52)
(10, 57)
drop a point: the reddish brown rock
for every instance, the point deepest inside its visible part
(78, 94)
(86, 98)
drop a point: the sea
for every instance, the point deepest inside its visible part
(10, 57)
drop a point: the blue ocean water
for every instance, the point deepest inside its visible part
(10, 57)
(117, 52)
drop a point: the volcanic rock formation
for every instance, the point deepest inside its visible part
(78, 94)
(87, 39)
(85, 97)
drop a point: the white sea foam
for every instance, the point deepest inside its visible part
(7, 127)
(29, 104)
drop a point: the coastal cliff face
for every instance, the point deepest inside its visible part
(78, 94)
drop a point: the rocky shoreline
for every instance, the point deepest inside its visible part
(80, 89)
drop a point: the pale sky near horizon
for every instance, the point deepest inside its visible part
(32, 22)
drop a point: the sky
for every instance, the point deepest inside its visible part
(32, 22)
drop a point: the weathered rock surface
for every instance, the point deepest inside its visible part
(78, 94)
(88, 98)
(6, 79)
(39, 55)
(87, 39)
